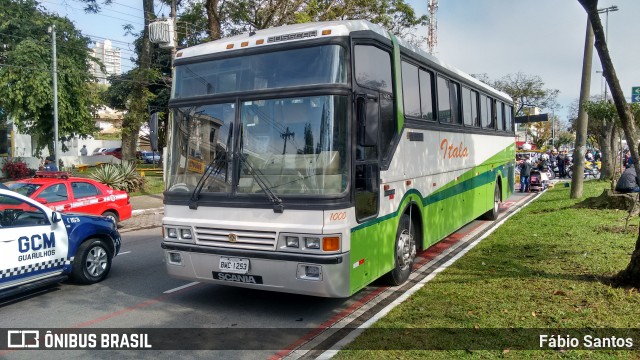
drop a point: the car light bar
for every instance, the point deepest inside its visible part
(52, 174)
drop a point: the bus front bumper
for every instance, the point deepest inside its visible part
(316, 275)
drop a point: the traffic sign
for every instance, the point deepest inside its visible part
(635, 94)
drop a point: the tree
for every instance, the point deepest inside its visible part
(527, 91)
(244, 15)
(542, 134)
(603, 120)
(140, 96)
(26, 91)
(631, 275)
(565, 138)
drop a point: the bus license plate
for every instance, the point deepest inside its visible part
(234, 265)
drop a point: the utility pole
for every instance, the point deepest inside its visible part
(52, 30)
(606, 37)
(286, 135)
(173, 16)
(577, 180)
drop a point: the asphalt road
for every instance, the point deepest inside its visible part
(139, 294)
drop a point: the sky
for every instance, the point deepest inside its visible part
(544, 38)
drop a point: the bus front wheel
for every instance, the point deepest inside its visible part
(495, 210)
(404, 252)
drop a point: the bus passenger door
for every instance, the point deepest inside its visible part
(367, 173)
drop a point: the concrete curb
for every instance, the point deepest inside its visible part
(126, 230)
(159, 210)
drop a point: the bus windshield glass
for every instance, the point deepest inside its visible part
(324, 64)
(295, 146)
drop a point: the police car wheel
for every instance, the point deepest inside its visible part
(112, 216)
(92, 262)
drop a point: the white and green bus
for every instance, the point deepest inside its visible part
(316, 158)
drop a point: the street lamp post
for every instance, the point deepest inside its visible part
(606, 35)
(603, 85)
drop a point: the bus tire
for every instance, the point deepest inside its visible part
(92, 262)
(404, 252)
(495, 209)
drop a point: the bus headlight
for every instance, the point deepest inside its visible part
(292, 241)
(175, 233)
(312, 242)
(309, 243)
(186, 234)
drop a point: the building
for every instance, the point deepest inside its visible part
(110, 58)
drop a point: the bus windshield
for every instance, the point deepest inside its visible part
(296, 146)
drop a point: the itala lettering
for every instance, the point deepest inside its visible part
(450, 151)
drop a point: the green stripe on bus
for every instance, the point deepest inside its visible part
(465, 182)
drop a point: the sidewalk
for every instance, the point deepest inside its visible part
(147, 213)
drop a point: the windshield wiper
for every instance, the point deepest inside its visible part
(278, 207)
(214, 166)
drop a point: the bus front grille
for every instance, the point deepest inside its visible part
(245, 239)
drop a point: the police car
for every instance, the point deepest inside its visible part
(39, 246)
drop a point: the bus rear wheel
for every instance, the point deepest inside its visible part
(404, 252)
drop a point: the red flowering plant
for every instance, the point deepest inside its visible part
(15, 168)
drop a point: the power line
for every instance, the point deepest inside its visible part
(67, 72)
(97, 14)
(73, 46)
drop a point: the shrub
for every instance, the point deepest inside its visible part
(15, 168)
(119, 176)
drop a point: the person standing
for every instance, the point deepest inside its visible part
(83, 151)
(525, 173)
(561, 170)
(50, 164)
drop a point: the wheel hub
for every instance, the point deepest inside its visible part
(406, 250)
(96, 261)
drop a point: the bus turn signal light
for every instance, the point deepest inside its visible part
(331, 243)
(326, 32)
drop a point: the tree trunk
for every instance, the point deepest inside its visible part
(631, 275)
(616, 162)
(604, 142)
(579, 151)
(213, 19)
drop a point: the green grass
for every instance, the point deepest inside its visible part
(547, 267)
(153, 185)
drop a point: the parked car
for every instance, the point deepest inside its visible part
(150, 157)
(40, 246)
(73, 194)
(117, 152)
(99, 151)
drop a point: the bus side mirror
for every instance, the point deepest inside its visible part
(153, 131)
(368, 119)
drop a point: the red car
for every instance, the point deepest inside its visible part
(72, 194)
(117, 152)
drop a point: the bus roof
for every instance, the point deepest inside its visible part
(300, 32)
